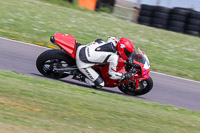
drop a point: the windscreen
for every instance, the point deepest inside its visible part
(139, 56)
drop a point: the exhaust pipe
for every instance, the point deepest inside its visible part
(52, 39)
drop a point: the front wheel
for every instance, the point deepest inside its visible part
(144, 87)
(53, 58)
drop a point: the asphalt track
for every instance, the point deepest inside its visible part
(20, 57)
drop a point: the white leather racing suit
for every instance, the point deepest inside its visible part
(98, 52)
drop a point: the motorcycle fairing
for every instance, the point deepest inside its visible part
(67, 43)
(105, 75)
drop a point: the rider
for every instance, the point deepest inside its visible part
(100, 52)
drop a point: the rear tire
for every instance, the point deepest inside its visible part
(179, 11)
(53, 58)
(162, 9)
(161, 15)
(175, 29)
(190, 32)
(178, 18)
(159, 21)
(145, 87)
(193, 27)
(147, 7)
(143, 19)
(145, 13)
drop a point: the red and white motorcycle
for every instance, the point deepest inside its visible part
(61, 63)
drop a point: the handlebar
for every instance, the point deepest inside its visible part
(120, 80)
(132, 67)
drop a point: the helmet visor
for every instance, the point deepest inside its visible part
(127, 53)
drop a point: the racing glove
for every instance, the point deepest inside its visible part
(136, 66)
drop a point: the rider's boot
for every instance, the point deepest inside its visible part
(81, 77)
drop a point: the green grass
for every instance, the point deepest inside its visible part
(34, 21)
(65, 3)
(31, 105)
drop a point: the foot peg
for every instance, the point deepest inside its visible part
(79, 76)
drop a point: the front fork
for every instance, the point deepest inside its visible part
(137, 82)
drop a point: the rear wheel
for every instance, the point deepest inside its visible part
(144, 87)
(53, 58)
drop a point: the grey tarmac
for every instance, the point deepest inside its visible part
(21, 57)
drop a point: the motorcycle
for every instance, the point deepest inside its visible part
(60, 63)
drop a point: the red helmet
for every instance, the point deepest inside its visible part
(125, 47)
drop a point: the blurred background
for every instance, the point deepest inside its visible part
(148, 23)
(178, 16)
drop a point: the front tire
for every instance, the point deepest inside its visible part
(53, 58)
(145, 87)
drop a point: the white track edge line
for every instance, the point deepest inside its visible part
(150, 71)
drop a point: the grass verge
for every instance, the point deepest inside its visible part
(31, 105)
(65, 3)
(34, 22)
